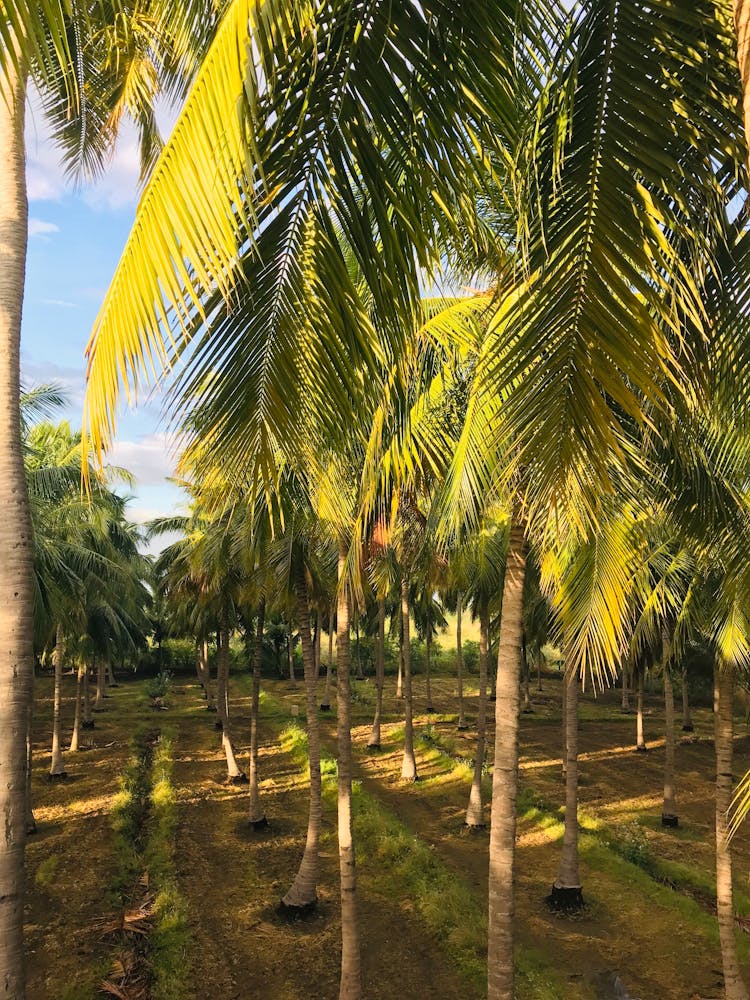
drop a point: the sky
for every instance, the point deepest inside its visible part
(75, 239)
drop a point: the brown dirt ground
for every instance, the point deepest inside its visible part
(233, 877)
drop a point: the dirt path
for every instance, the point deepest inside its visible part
(233, 878)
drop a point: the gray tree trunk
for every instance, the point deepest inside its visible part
(460, 663)
(566, 891)
(302, 896)
(57, 763)
(474, 810)
(350, 987)
(734, 987)
(500, 979)
(409, 762)
(257, 815)
(379, 677)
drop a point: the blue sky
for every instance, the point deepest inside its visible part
(75, 239)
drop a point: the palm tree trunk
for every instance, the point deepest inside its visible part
(566, 891)
(351, 977)
(734, 987)
(109, 675)
(205, 668)
(99, 700)
(539, 672)
(427, 664)
(302, 897)
(527, 706)
(400, 678)
(409, 762)
(360, 675)
(257, 815)
(88, 720)
(687, 722)
(474, 810)
(75, 738)
(57, 764)
(669, 807)
(505, 775)
(234, 775)
(374, 743)
(316, 644)
(16, 601)
(326, 703)
(625, 704)
(460, 663)
(290, 652)
(640, 741)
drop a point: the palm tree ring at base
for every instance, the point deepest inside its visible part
(259, 824)
(565, 899)
(668, 819)
(60, 776)
(641, 749)
(325, 708)
(238, 779)
(291, 912)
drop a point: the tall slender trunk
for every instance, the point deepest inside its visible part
(687, 721)
(257, 814)
(428, 664)
(316, 644)
(669, 807)
(326, 702)
(734, 987)
(109, 675)
(88, 719)
(505, 776)
(75, 738)
(206, 674)
(16, 601)
(302, 896)
(400, 678)
(351, 977)
(360, 675)
(99, 700)
(527, 706)
(474, 810)
(290, 652)
(57, 764)
(460, 663)
(566, 891)
(640, 741)
(409, 762)
(374, 743)
(625, 704)
(222, 672)
(539, 671)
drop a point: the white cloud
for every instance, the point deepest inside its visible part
(71, 380)
(38, 227)
(150, 459)
(62, 303)
(141, 515)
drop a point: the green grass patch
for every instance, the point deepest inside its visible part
(45, 873)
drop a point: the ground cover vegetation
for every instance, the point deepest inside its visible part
(560, 454)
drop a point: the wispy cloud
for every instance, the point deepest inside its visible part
(38, 227)
(63, 303)
(150, 459)
(71, 380)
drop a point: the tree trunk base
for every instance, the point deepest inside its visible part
(566, 899)
(88, 725)
(493, 697)
(325, 708)
(463, 728)
(667, 819)
(641, 749)
(30, 826)
(430, 710)
(373, 746)
(689, 728)
(211, 708)
(475, 827)
(259, 824)
(218, 725)
(287, 912)
(529, 710)
(238, 779)
(60, 776)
